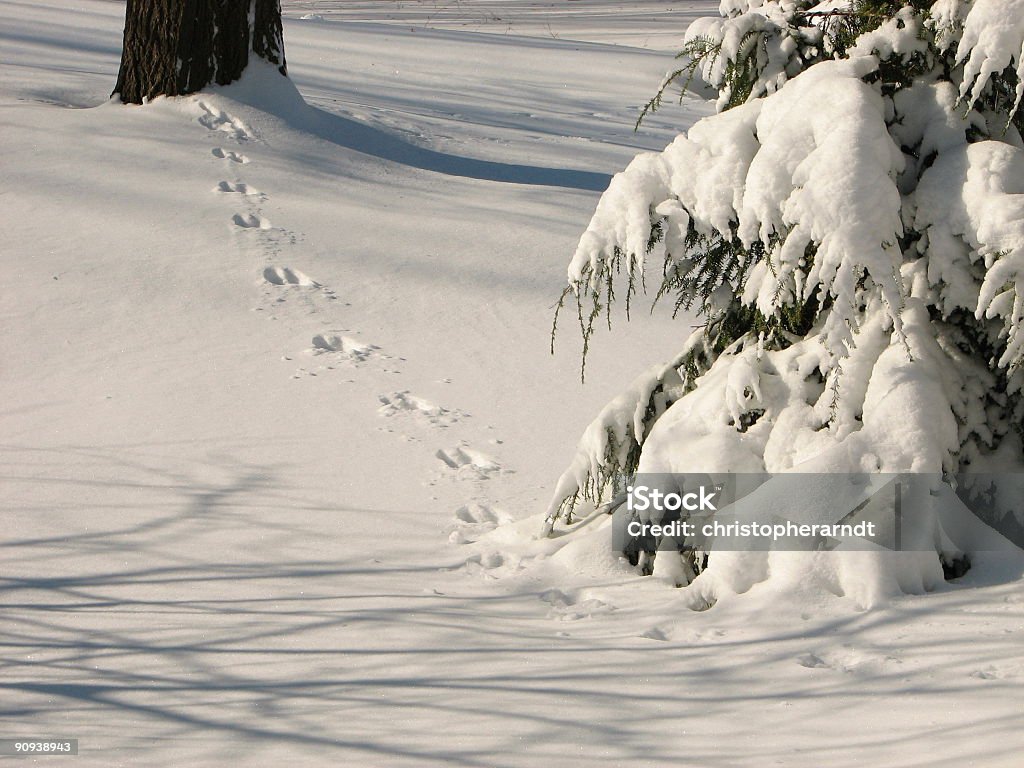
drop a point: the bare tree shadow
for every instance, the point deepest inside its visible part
(179, 609)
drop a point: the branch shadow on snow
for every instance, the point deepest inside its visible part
(263, 88)
(219, 603)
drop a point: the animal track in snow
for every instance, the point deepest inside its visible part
(488, 559)
(655, 633)
(992, 672)
(565, 607)
(345, 346)
(812, 661)
(227, 154)
(404, 403)
(250, 221)
(473, 521)
(217, 119)
(483, 563)
(557, 598)
(288, 276)
(474, 514)
(237, 187)
(286, 289)
(461, 458)
(850, 660)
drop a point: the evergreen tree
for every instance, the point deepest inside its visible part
(850, 228)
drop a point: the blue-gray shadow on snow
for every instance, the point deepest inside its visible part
(263, 88)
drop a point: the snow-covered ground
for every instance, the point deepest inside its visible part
(269, 372)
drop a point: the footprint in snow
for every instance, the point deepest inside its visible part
(343, 346)
(474, 514)
(462, 457)
(216, 119)
(236, 187)
(565, 607)
(812, 661)
(488, 559)
(473, 521)
(485, 563)
(284, 285)
(851, 659)
(227, 154)
(288, 276)
(655, 633)
(989, 673)
(250, 221)
(586, 609)
(406, 404)
(556, 598)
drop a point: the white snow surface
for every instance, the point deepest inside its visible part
(279, 420)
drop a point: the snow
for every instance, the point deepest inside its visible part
(760, 36)
(899, 37)
(811, 164)
(280, 426)
(992, 40)
(988, 217)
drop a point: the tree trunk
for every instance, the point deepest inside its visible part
(175, 47)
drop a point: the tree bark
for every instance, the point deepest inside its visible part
(176, 47)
